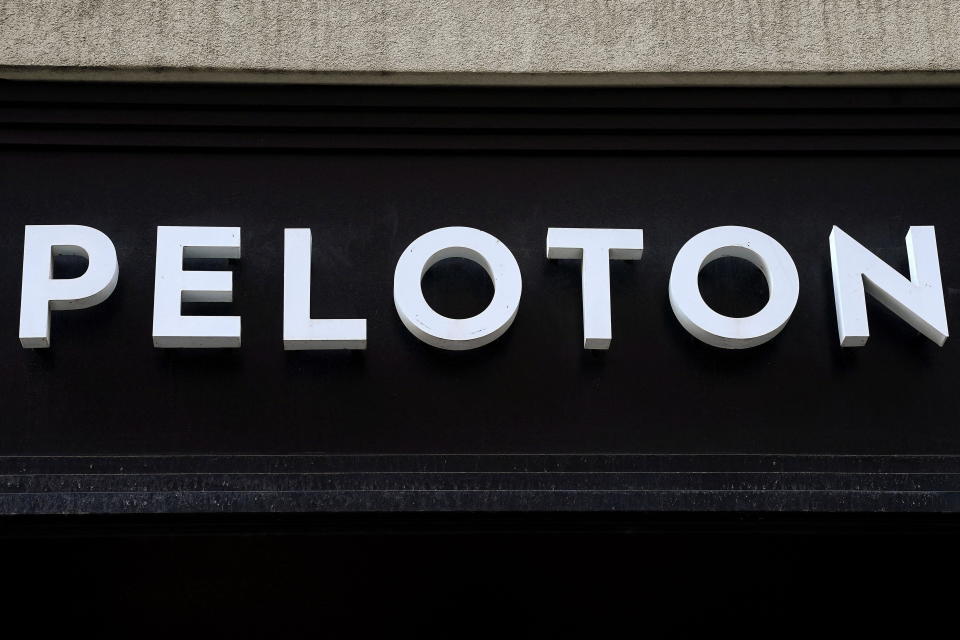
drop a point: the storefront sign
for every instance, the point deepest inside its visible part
(326, 298)
(856, 273)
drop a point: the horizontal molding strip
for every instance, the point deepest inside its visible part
(231, 483)
(498, 121)
(124, 95)
(369, 119)
(480, 143)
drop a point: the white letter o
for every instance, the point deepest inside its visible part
(449, 333)
(722, 331)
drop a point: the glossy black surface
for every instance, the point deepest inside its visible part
(369, 170)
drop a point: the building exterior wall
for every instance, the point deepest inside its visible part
(530, 41)
(530, 485)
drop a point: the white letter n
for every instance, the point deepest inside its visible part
(918, 301)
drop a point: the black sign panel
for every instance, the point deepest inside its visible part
(661, 420)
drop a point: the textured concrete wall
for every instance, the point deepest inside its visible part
(327, 38)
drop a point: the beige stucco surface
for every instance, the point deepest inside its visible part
(494, 38)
